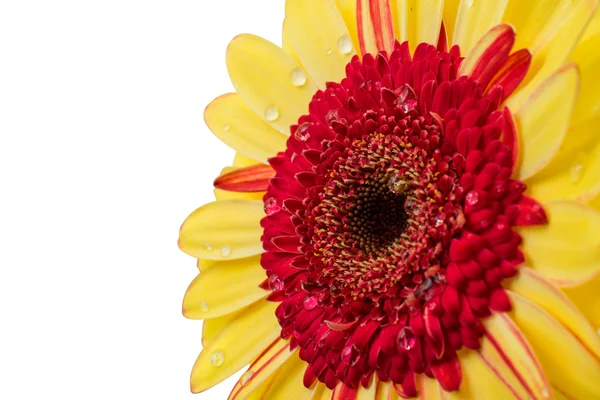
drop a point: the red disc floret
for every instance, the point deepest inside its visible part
(390, 218)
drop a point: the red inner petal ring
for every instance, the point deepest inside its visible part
(389, 224)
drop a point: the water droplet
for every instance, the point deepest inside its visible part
(545, 393)
(439, 221)
(407, 98)
(217, 358)
(226, 127)
(396, 184)
(302, 133)
(410, 205)
(329, 51)
(275, 283)
(298, 77)
(350, 355)
(204, 306)
(344, 45)
(207, 246)
(225, 251)
(246, 377)
(469, 3)
(271, 206)
(578, 168)
(332, 115)
(406, 338)
(311, 302)
(271, 113)
(472, 198)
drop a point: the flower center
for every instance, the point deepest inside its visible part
(389, 221)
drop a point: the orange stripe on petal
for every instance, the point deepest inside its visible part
(249, 179)
(375, 26)
(506, 352)
(511, 74)
(489, 54)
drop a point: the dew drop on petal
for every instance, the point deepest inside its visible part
(406, 338)
(217, 358)
(275, 283)
(472, 198)
(298, 77)
(271, 113)
(207, 246)
(344, 45)
(410, 205)
(226, 127)
(439, 221)
(302, 133)
(271, 206)
(311, 302)
(396, 184)
(204, 306)
(578, 168)
(332, 115)
(329, 51)
(225, 251)
(246, 377)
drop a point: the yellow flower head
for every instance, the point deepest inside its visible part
(414, 210)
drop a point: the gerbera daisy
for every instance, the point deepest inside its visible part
(414, 206)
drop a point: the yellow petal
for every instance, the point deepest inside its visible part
(232, 121)
(229, 195)
(595, 203)
(587, 58)
(418, 21)
(204, 265)
(543, 120)
(320, 392)
(567, 363)
(593, 27)
(320, 38)
(241, 341)
(347, 9)
(385, 391)
(587, 298)
(449, 17)
(474, 19)
(240, 161)
(376, 26)
(286, 42)
(536, 288)
(269, 80)
(506, 352)
(567, 250)
(429, 389)
(213, 326)
(225, 288)
(221, 230)
(534, 32)
(574, 173)
(290, 385)
(262, 368)
(478, 380)
(556, 50)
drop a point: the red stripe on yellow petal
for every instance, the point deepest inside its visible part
(567, 250)
(343, 392)
(262, 368)
(511, 74)
(489, 54)
(375, 26)
(535, 287)
(429, 389)
(385, 391)
(530, 213)
(249, 179)
(235, 346)
(568, 364)
(506, 352)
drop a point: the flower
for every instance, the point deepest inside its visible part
(414, 209)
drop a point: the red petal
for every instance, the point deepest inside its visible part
(254, 178)
(489, 54)
(443, 39)
(448, 374)
(530, 213)
(511, 74)
(343, 392)
(499, 300)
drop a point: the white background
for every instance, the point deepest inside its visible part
(103, 153)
